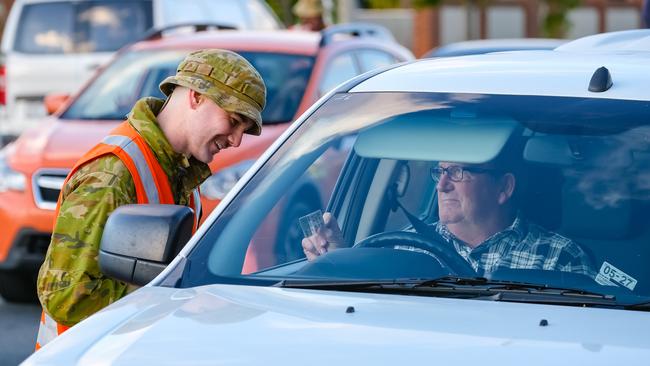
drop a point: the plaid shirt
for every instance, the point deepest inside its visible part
(523, 245)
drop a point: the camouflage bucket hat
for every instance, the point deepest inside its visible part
(227, 79)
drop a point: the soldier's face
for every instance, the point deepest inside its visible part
(213, 129)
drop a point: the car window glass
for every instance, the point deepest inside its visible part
(260, 15)
(340, 69)
(286, 77)
(46, 28)
(107, 26)
(79, 27)
(130, 77)
(580, 180)
(373, 59)
(414, 182)
(309, 193)
(137, 74)
(226, 12)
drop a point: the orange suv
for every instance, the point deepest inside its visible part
(297, 67)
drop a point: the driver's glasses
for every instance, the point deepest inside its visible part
(456, 173)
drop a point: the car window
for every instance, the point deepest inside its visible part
(79, 27)
(340, 69)
(130, 77)
(228, 12)
(134, 75)
(46, 28)
(260, 15)
(581, 176)
(107, 26)
(413, 182)
(309, 193)
(373, 59)
(286, 77)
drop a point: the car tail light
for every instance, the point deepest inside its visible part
(3, 85)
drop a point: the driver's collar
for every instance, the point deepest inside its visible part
(518, 227)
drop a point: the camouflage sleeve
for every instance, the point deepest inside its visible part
(70, 285)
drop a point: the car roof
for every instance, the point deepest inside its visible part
(630, 40)
(480, 46)
(552, 73)
(285, 41)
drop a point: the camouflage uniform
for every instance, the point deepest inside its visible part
(70, 284)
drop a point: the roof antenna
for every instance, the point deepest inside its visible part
(601, 80)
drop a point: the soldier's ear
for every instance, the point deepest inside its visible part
(194, 98)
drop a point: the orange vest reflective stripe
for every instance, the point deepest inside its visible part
(151, 186)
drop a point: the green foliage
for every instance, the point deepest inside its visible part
(425, 3)
(556, 23)
(282, 9)
(381, 4)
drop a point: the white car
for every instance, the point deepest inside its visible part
(572, 125)
(56, 45)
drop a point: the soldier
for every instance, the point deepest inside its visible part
(158, 155)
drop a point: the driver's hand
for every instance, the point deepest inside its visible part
(329, 237)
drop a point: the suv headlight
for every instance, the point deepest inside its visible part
(220, 183)
(9, 178)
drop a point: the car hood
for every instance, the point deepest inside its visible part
(245, 325)
(58, 144)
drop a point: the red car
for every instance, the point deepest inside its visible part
(298, 68)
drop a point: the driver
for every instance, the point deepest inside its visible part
(479, 217)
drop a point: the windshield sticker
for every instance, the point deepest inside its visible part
(610, 275)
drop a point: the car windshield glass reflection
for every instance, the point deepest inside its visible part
(434, 185)
(135, 75)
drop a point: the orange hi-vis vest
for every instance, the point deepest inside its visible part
(151, 186)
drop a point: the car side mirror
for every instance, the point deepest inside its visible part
(139, 241)
(53, 102)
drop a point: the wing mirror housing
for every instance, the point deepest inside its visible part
(53, 102)
(139, 241)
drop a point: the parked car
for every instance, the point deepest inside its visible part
(574, 121)
(479, 46)
(298, 67)
(56, 45)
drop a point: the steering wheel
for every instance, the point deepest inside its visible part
(436, 246)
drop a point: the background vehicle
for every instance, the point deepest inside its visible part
(297, 67)
(579, 130)
(56, 45)
(480, 46)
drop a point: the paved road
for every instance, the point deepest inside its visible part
(19, 326)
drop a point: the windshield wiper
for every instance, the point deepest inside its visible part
(466, 287)
(644, 306)
(502, 285)
(349, 285)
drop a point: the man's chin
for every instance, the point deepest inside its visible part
(448, 219)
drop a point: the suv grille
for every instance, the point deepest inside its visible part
(47, 186)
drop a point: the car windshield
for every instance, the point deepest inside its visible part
(137, 74)
(558, 185)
